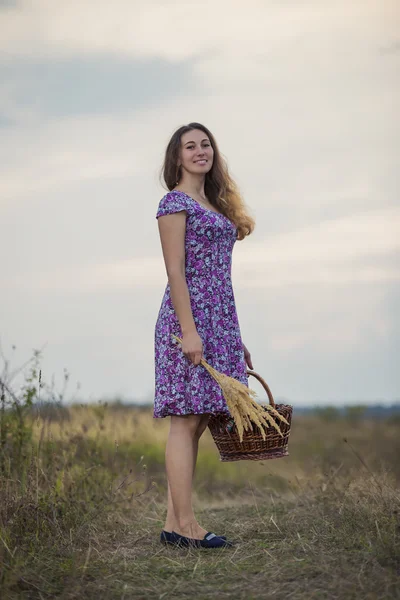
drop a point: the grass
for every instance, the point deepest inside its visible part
(83, 501)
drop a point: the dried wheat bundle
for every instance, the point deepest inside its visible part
(241, 404)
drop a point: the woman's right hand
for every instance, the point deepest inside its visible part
(192, 347)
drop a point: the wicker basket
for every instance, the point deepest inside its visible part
(253, 447)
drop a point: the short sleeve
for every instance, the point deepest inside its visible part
(173, 202)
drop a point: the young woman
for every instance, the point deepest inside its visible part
(199, 221)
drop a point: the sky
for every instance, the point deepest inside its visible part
(301, 96)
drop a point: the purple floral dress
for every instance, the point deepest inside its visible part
(180, 387)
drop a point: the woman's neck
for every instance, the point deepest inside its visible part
(193, 186)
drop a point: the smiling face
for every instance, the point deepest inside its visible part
(196, 154)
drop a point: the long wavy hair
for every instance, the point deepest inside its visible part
(220, 189)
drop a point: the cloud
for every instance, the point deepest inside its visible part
(127, 274)
(177, 30)
(297, 86)
(331, 241)
(391, 48)
(336, 252)
(73, 149)
(88, 86)
(302, 103)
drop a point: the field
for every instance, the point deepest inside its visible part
(83, 497)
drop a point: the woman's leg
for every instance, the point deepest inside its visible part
(171, 521)
(181, 455)
(199, 432)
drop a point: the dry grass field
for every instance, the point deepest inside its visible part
(83, 495)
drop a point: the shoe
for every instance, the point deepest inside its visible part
(210, 540)
(168, 538)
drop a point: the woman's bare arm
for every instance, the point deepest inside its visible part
(172, 230)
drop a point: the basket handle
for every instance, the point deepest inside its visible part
(265, 386)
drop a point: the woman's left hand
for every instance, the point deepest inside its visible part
(247, 358)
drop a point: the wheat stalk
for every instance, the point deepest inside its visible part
(241, 404)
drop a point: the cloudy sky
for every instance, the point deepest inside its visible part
(301, 96)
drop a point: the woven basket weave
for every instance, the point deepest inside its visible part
(253, 447)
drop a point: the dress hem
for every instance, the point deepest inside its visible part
(171, 414)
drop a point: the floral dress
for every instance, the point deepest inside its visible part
(180, 387)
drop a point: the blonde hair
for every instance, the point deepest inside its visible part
(220, 189)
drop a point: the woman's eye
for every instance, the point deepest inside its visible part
(192, 147)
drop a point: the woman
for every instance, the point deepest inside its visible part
(199, 221)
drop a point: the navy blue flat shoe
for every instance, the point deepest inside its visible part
(210, 540)
(168, 538)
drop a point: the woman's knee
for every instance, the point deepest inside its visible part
(187, 423)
